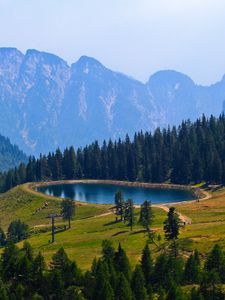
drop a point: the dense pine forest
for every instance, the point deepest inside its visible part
(169, 277)
(190, 153)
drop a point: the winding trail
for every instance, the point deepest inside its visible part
(186, 220)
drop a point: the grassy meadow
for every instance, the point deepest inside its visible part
(94, 223)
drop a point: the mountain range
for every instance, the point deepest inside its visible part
(46, 103)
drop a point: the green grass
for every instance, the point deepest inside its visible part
(21, 202)
(83, 241)
(90, 227)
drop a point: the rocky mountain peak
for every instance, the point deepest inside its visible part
(45, 103)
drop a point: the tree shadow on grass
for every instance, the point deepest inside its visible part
(120, 232)
(139, 231)
(112, 223)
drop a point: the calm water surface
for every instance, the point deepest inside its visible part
(104, 193)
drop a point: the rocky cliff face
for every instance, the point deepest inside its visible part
(45, 103)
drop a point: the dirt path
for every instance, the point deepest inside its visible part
(182, 217)
(101, 215)
(207, 195)
(61, 223)
(186, 220)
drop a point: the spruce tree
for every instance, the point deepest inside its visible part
(9, 261)
(108, 250)
(160, 271)
(147, 266)
(38, 269)
(192, 271)
(123, 290)
(103, 289)
(216, 262)
(138, 284)
(129, 213)
(122, 263)
(171, 225)
(175, 293)
(146, 216)
(68, 209)
(119, 204)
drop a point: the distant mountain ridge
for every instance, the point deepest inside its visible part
(10, 155)
(45, 103)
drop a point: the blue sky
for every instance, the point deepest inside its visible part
(136, 37)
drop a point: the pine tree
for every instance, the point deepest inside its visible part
(146, 216)
(216, 262)
(107, 250)
(17, 231)
(147, 266)
(138, 284)
(160, 271)
(9, 261)
(57, 290)
(68, 209)
(103, 289)
(122, 263)
(119, 204)
(171, 225)
(123, 290)
(129, 213)
(56, 165)
(175, 293)
(38, 268)
(192, 272)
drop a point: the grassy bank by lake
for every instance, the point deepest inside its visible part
(93, 223)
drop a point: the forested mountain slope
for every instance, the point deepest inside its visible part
(10, 155)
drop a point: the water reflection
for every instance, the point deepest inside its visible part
(104, 193)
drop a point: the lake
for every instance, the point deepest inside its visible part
(104, 193)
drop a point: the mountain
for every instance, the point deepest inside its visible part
(10, 155)
(45, 103)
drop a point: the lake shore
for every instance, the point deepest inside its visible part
(198, 193)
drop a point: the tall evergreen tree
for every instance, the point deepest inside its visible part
(171, 225)
(147, 266)
(138, 284)
(122, 263)
(192, 271)
(146, 216)
(119, 204)
(216, 262)
(129, 213)
(68, 209)
(123, 290)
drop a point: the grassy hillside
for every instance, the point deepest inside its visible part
(94, 223)
(21, 203)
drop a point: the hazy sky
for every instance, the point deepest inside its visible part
(136, 37)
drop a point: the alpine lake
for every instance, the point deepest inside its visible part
(105, 193)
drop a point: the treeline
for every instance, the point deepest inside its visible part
(26, 276)
(191, 153)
